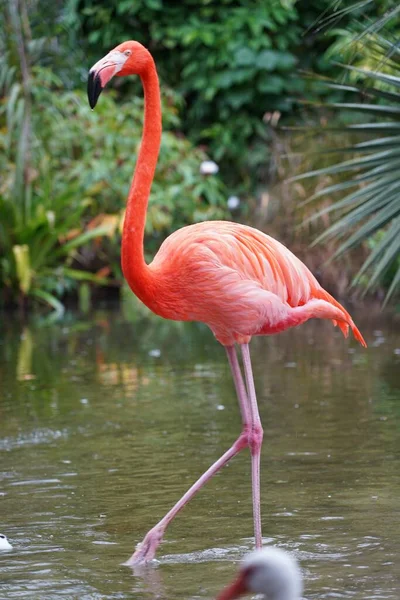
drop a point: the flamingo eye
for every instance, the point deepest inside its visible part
(128, 52)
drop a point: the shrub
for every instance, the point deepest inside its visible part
(63, 225)
(361, 181)
(231, 60)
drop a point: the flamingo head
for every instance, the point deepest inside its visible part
(128, 58)
(271, 572)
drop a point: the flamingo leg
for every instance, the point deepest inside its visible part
(239, 385)
(147, 549)
(255, 442)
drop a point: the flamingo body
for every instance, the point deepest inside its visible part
(238, 280)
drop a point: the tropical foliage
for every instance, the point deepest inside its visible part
(66, 170)
(62, 200)
(365, 179)
(232, 61)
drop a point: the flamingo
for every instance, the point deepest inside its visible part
(269, 571)
(235, 279)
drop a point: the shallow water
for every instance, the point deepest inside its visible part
(104, 424)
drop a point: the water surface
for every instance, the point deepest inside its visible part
(105, 423)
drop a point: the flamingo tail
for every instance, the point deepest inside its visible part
(343, 320)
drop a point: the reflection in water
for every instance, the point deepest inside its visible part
(24, 364)
(104, 424)
(152, 579)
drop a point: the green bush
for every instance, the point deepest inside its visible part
(61, 215)
(359, 192)
(66, 170)
(232, 61)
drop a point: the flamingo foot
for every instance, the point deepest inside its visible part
(146, 550)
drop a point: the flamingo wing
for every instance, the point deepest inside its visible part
(239, 281)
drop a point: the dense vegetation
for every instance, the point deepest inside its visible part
(232, 61)
(68, 171)
(231, 65)
(361, 183)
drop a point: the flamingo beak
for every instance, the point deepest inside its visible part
(237, 588)
(101, 73)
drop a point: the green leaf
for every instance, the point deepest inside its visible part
(392, 234)
(23, 267)
(79, 275)
(49, 299)
(348, 165)
(376, 75)
(383, 216)
(271, 84)
(83, 238)
(267, 59)
(394, 285)
(391, 246)
(372, 210)
(245, 57)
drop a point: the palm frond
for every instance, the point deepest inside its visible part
(368, 209)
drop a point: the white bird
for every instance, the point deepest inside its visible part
(4, 543)
(269, 571)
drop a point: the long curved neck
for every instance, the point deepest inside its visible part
(134, 266)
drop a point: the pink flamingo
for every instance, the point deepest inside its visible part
(236, 279)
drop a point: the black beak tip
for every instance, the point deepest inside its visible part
(94, 88)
